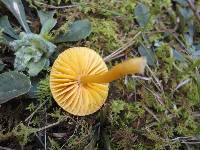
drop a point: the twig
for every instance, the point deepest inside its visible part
(197, 142)
(180, 42)
(181, 138)
(196, 114)
(157, 97)
(195, 11)
(150, 112)
(186, 140)
(182, 83)
(45, 131)
(29, 117)
(118, 56)
(171, 32)
(39, 139)
(52, 125)
(142, 78)
(56, 123)
(156, 82)
(5, 148)
(75, 130)
(122, 49)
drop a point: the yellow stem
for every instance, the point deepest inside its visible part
(130, 66)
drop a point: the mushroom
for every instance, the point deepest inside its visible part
(79, 79)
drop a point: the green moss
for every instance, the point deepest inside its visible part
(140, 116)
(80, 137)
(44, 101)
(104, 35)
(150, 100)
(166, 62)
(122, 117)
(108, 9)
(123, 139)
(118, 11)
(43, 91)
(191, 92)
(22, 133)
(140, 146)
(54, 145)
(123, 113)
(117, 106)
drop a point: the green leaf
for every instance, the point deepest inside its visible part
(178, 56)
(13, 84)
(7, 39)
(182, 2)
(77, 31)
(196, 53)
(45, 16)
(17, 9)
(186, 13)
(48, 26)
(47, 21)
(4, 39)
(142, 14)
(7, 28)
(151, 60)
(35, 68)
(34, 83)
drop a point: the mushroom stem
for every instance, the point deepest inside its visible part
(130, 66)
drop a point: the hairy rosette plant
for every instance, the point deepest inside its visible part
(32, 52)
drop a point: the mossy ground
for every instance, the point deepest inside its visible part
(159, 110)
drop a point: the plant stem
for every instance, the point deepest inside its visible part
(130, 66)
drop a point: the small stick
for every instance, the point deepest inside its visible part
(197, 142)
(51, 125)
(195, 11)
(5, 148)
(54, 124)
(157, 83)
(29, 117)
(122, 49)
(150, 112)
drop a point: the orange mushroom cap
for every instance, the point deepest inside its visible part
(79, 79)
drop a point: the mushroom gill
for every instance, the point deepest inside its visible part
(79, 79)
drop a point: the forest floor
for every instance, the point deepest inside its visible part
(157, 110)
